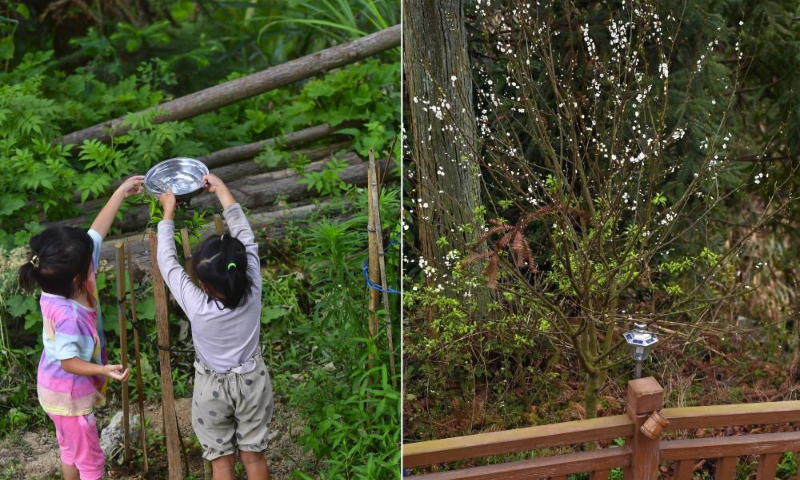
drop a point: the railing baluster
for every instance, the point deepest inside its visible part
(767, 465)
(684, 470)
(726, 468)
(599, 475)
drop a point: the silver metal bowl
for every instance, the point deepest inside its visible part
(183, 175)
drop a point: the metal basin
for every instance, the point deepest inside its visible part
(183, 175)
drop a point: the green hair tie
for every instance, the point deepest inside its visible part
(231, 265)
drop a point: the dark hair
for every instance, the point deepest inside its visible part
(59, 255)
(221, 265)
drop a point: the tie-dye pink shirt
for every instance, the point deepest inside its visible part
(72, 330)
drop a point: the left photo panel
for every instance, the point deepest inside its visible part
(199, 239)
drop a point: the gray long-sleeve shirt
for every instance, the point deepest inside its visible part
(223, 339)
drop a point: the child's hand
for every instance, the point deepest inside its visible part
(131, 186)
(116, 372)
(213, 183)
(168, 202)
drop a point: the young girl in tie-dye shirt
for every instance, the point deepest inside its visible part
(73, 370)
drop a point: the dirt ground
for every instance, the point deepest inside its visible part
(34, 455)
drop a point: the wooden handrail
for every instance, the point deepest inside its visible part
(719, 447)
(642, 453)
(729, 415)
(544, 467)
(520, 439)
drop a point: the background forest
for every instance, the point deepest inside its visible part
(575, 167)
(68, 65)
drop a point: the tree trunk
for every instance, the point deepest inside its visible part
(218, 96)
(443, 140)
(590, 395)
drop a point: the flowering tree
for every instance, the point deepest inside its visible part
(606, 153)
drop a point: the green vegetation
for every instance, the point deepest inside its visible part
(315, 301)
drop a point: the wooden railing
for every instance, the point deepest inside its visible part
(639, 458)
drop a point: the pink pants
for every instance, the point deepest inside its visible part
(80, 444)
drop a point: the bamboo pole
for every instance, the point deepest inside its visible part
(123, 347)
(175, 465)
(257, 83)
(187, 253)
(373, 271)
(376, 208)
(137, 358)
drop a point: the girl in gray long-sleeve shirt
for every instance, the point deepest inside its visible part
(232, 399)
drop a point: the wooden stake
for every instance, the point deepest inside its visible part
(187, 253)
(218, 224)
(167, 394)
(123, 347)
(376, 208)
(374, 272)
(137, 359)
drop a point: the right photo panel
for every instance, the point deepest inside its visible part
(601, 239)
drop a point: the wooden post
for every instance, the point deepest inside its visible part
(123, 347)
(645, 396)
(167, 395)
(218, 224)
(187, 253)
(374, 266)
(137, 358)
(376, 208)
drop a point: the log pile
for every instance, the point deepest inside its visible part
(273, 195)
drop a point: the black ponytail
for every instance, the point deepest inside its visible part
(27, 280)
(221, 266)
(59, 262)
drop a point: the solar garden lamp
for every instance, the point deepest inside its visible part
(642, 342)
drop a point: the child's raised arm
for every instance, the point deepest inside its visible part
(186, 293)
(237, 222)
(105, 218)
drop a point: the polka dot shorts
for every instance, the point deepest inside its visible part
(231, 411)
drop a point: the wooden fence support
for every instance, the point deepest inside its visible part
(768, 466)
(726, 468)
(645, 396)
(138, 359)
(373, 266)
(218, 227)
(123, 347)
(255, 84)
(187, 253)
(167, 394)
(378, 234)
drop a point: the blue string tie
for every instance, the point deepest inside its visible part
(372, 284)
